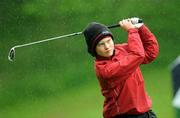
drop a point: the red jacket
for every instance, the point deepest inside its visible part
(120, 76)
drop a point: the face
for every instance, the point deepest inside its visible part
(105, 47)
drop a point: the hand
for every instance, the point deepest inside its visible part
(135, 21)
(126, 24)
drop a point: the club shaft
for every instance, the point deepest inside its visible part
(114, 26)
(46, 40)
(62, 36)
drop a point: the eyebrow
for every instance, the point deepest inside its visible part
(105, 41)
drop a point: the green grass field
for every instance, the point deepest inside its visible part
(86, 101)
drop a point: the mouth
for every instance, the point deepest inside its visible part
(109, 50)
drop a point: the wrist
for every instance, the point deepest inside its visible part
(129, 28)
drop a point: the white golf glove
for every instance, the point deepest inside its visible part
(135, 21)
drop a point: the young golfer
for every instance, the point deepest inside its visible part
(117, 68)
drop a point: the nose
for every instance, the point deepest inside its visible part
(106, 46)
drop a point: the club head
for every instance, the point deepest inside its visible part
(11, 54)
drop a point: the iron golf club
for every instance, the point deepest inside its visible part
(11, 55)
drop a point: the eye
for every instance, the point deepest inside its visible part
(100, 44)
(109, 40)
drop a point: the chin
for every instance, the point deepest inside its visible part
(108, 55)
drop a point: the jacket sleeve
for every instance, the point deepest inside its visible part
(150, 44)
(129, 63)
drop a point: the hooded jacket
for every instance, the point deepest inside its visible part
(120, 77)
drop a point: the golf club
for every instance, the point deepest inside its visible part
(11, 55)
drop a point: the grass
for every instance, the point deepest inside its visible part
(86, 101)
(82, 102)
(159, 86)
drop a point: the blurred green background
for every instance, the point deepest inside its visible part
(56, 79)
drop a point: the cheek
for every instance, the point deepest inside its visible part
(112, 45)
(99, 51)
